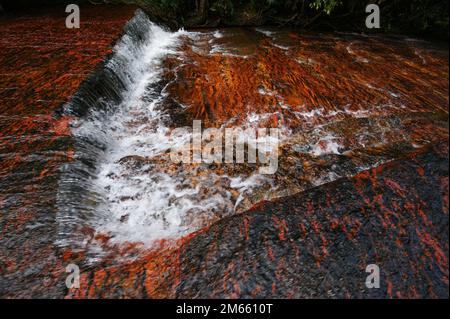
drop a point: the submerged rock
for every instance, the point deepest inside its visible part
(362, 173)
(315, 244)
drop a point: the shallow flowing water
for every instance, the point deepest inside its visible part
(344, 103)
(363, 140)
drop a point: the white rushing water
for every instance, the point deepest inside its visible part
(147, 201)
(135, 200)
(122, 183)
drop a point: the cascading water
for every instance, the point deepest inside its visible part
(119, 208)
(122, 184)
(112, 187)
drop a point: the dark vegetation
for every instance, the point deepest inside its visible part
(425, 18)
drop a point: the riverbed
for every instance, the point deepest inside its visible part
(362, 173)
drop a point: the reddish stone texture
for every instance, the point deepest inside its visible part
(313, 244)
(310, 72)
(41, 66)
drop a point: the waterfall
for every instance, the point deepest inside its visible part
(102, 107)
(117, 185)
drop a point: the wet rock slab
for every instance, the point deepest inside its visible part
(318, 243)
(315, 244)
(41, 66)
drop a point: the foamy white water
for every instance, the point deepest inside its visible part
(138, 200)
(122, 183)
